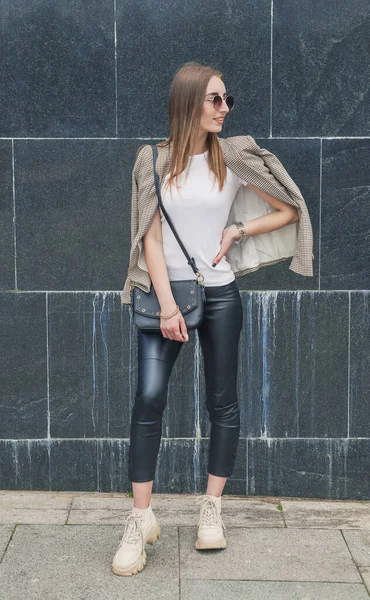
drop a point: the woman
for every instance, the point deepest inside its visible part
(199, 190)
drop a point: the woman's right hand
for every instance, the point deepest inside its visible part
(175, 328)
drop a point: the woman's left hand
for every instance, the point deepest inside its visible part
(229, 235)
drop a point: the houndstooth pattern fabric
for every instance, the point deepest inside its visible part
(244, 157)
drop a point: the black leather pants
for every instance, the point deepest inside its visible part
(219, 336)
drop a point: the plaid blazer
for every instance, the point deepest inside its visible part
(254, 165)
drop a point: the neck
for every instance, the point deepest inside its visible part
(201, 144)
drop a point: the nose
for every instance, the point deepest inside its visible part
(222, 106)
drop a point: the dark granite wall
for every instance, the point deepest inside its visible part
(82, 85)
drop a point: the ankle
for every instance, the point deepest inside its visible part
(141, 508)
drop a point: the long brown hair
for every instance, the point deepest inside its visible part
(186, 98)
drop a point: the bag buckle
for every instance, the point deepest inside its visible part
(200, 278)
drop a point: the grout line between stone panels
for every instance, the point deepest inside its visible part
(271, 53)
(98, 138)
(47, 365)
(197, 358)
(148, 137)
(127, 439)
(308, 291)
(115, 63)
(320, 200)
(14, 221)
(246, 468)
(349, 361)
(97, 450)
(94, 362)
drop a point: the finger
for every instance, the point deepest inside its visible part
(164, 332)
(219, 255)
(176, 335)
(217, 259)
(184, 331)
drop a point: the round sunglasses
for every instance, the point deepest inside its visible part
(217, 101)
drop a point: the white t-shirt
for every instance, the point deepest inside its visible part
(199, 213)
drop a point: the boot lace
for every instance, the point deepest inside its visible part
(133, 529)
(210, 514)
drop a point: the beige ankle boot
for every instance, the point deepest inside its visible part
(141, 528)
(210, 524)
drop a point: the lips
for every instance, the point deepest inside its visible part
(219, 120)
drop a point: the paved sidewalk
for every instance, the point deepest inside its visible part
(60, 545)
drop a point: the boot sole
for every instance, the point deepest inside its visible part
(203, 545)
(153, 536)
(133, 570)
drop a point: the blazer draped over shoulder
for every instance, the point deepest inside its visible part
(254, 165)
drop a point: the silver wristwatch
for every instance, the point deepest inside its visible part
(242, 232)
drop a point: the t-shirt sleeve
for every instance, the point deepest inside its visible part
(241, 181)
(237, 181)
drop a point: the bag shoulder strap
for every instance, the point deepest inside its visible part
(190, 261)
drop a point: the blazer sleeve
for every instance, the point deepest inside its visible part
(147, 199)
(144, 197)
(263, 169)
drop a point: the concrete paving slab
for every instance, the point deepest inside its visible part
(359, 545)
(73, 562)
(28, 516)
(177, 510)
(270, 554)
(335, 515)
(271, 590)
(35, 500)
(124, 501)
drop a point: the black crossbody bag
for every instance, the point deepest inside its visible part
(189, 294)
